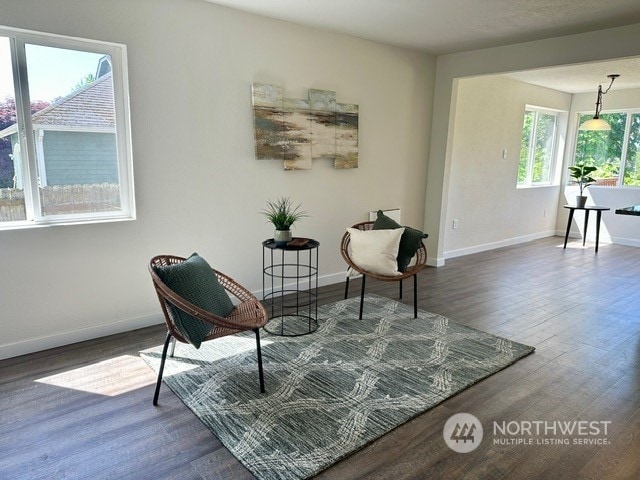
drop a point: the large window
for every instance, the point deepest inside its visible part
(616, 153)
(538, 148)
(65, 144)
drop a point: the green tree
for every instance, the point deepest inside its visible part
(8, 118)
(602, 149)
(524, 148)
(632, 162)
(86, 80)
(545, 136)
(536, 153)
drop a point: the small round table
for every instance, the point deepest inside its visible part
(587, 209)
(290, 286)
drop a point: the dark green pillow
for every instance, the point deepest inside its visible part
(195, 281)
(409, 242)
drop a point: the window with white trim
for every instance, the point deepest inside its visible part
(616, 152)
(538, 148)
(65, 141)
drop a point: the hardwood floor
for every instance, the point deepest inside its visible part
(84, 411)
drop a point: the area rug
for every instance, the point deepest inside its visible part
(334, 391)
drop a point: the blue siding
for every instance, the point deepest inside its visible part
(80, 158)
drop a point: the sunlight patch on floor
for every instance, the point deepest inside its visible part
(577, 245)
(127, 373)
(111, 377)
(186, 356)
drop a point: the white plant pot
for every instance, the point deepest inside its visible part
(581, 201)
(282, 237)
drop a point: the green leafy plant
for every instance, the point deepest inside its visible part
(282, 213)
(581, 173)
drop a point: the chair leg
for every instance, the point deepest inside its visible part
(400, 296)
(260, 372)
(364, 277)
(415, 296)
(173, 346)
(164, 356)
(346, 288)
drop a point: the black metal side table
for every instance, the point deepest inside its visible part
(573, 208)
(290, 286)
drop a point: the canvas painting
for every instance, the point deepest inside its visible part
(323, 123)
(298, 131)
(346, 136)
(268, 121)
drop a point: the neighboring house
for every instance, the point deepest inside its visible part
(74, 137)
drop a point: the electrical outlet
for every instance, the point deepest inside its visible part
(455, 224)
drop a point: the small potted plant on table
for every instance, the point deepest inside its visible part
(282, 214)
(581, 174)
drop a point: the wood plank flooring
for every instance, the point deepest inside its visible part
(84, 411)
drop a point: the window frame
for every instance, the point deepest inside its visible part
(629, 112)
(18, 38)
(528, 183)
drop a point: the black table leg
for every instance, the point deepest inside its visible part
(566, 235)
(586, 224)
(598, 210)
(598, 217)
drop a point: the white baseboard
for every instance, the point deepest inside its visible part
(435, 261)
(604, 239)
(629, 242)
(502, 243)
(66, 338)
(89, 333)
(561, 233)
(323, 281)
(333, 278)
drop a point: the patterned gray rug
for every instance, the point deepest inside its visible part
(334, 391)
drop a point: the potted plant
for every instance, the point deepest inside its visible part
(581, 174)
(283, 214)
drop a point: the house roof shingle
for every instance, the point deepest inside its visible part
(89, 107)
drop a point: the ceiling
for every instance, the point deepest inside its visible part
(448, 26)
(584, 77)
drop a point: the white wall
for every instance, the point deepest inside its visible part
(198, 184)
(588, 47)
(482, 195)
(622, 229)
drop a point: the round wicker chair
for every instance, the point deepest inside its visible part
(249, 314)
(418, 262)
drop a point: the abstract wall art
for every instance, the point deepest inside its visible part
(298, 131)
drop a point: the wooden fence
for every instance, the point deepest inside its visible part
(607, 182)
(62, 199)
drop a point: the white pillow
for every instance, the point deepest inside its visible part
(375, 251)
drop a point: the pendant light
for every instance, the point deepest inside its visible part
(596, 123)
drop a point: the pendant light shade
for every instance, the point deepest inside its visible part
(596, 123)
